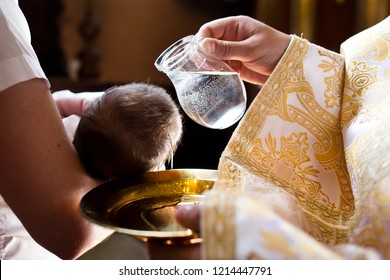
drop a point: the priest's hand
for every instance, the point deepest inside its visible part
(188, 216)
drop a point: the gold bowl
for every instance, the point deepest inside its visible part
(145, 207)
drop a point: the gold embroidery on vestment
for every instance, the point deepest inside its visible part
(283, 159)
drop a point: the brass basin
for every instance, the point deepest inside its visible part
(145, 207)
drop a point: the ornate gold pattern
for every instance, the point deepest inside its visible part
(368, 155)
(285, 160)
(358, 78)
(292, 138)
(370, 169)
(219, 225)
(333, 82)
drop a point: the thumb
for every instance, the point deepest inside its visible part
(189, 217)
(224, 50)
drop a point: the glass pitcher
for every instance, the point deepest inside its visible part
(210, 92)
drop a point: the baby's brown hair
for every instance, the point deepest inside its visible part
(129, 130)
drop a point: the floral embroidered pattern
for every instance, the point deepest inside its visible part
(292, 139)
(370, 167)
(333, 82)
(290, 163)
(359, 77)
(219, 225)
(300, 160)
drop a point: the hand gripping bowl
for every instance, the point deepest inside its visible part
(145, 207)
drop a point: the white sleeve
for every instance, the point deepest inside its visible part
(18, 61)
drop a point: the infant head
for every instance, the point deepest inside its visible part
(129, 130)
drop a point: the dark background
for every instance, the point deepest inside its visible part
(334, 22)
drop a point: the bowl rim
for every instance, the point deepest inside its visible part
(95, 205)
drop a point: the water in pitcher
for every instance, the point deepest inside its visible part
(213, 99)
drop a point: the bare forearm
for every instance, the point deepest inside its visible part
(41, 177)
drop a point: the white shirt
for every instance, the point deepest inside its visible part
(18, 61)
